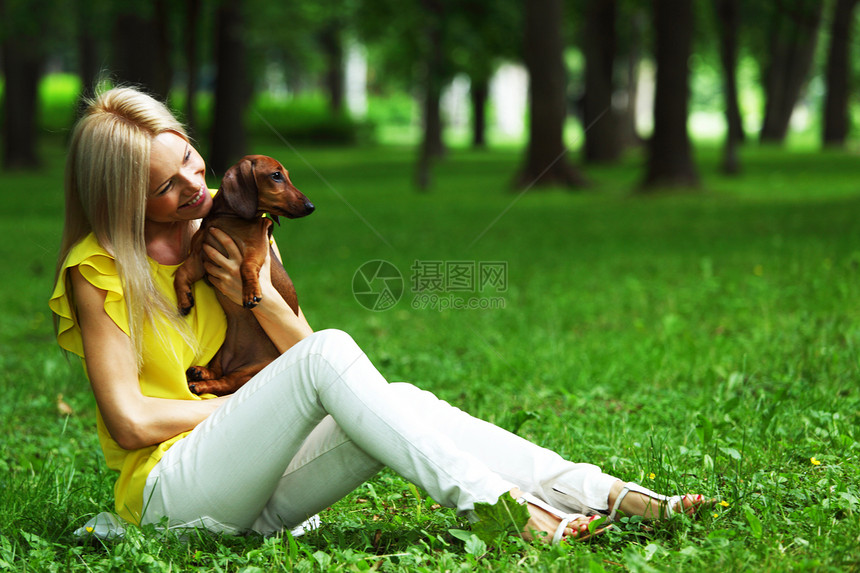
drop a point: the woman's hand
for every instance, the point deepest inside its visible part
(224, 270)
(279, 321)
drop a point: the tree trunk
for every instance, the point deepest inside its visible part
(627, 116)
(87, 48)
(670, 161)
(141, 53)
(23, 64)
(602, 138)
(836, 120)
(728, 24)
(228, 140)
(794, 32)
(479, 92)
(192, 16)
(432, 147)
(546, 156)
(331, 42)
(433, 121)
(163, 68)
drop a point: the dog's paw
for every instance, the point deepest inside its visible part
(252, 301)
(198, 373)
(186, 303)
(200, 387)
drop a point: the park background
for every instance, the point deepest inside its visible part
(671, 187)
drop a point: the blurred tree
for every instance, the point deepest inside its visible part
(283, 41)
(24, 50)
(228, 141)
(191, 34)
(631, 30)
(482, 31)
(479, 92)
(330, 26)
(436, 71)
(836, 120)
(141, 53)
(420, 46)
(792, 34)
(412, 44)
(331, 42)
(92, 19)
(87, 21)
(611, 35)
(546, 160)
(728, 25)
(670, 160)
(602, 135)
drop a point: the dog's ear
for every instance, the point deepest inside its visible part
(240, 189)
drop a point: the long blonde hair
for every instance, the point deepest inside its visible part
(107, 183)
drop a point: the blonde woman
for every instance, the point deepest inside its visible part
(312, 426)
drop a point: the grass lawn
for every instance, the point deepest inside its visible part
(691, 342)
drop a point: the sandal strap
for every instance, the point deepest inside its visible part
(672, 503)
(529, 498)
(559, 531)
(631, 486)
(565, 517)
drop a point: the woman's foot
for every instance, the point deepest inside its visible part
(633, 499)
(545, 521)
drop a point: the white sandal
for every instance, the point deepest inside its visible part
(566, 518)
(667, 503)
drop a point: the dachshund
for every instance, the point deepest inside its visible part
(255, 186)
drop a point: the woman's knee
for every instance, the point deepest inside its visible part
(409, 391)
(332, 337)
(334, 347)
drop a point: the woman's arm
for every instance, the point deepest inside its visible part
(278, 319)
(273, 313)
(133, 420)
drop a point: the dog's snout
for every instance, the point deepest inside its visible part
(309, 207)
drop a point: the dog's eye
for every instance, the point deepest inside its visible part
(276, 176)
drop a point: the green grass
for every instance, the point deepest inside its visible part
(708, 339)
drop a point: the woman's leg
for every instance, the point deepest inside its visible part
(327, 467)
(230, 475)
(533, 469)
(222, 475)
(330, 465)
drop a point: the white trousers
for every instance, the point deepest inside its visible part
(319, 421)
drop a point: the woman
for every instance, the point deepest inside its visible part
(313, 425)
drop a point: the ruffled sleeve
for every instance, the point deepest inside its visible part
(99, 269)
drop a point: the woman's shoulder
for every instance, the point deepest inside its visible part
(91, 258)
(97, 266)
(87, 247)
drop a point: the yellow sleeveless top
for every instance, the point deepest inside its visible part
(166, 356)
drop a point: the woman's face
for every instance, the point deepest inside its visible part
(177, 182)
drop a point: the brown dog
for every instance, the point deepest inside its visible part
(254, 186)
